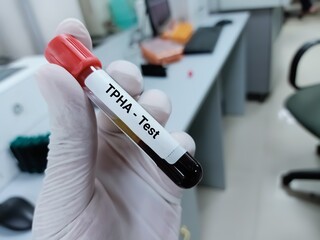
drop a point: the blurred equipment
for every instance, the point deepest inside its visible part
(153, 70)
(31, 152)
(5, 60)
(162, 23)
(204, 40)
(178, 31)
(123, 13)
(160, 51)
(223, 22)
(304, 106)
(143, 21)
(97, 16)
(16, 213)
(159, 13)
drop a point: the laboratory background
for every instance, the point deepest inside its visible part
(244, 81)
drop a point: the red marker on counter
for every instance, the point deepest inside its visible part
(124, 111)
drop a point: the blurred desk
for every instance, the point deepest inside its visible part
(263, 27)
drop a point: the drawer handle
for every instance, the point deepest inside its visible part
(17, 109)
(185, 233)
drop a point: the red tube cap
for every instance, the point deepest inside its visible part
(68, 52)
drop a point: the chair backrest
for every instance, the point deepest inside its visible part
(295, 62)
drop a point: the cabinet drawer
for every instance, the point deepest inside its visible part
(21, 107)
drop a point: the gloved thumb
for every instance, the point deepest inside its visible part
(69, 176)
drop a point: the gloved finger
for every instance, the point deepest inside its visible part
(157, 104)
(129, 77)
(69, 179)
(77, 29)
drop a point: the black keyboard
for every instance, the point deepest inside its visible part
(203, 40)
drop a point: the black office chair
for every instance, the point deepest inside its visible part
(304, 105)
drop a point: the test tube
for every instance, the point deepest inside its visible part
(128, 115)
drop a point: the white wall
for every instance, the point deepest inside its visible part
(50, 13)
(190, 10)
(215, 5)
(16, 39)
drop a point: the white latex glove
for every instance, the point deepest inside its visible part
(98, 185)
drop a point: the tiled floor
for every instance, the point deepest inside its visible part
(259, 147)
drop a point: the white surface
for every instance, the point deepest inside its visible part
(193, 89)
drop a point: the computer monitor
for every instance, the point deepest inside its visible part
(159, 15)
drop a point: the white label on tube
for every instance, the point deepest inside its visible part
(134, 116)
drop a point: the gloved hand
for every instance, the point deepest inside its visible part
(98, 184)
